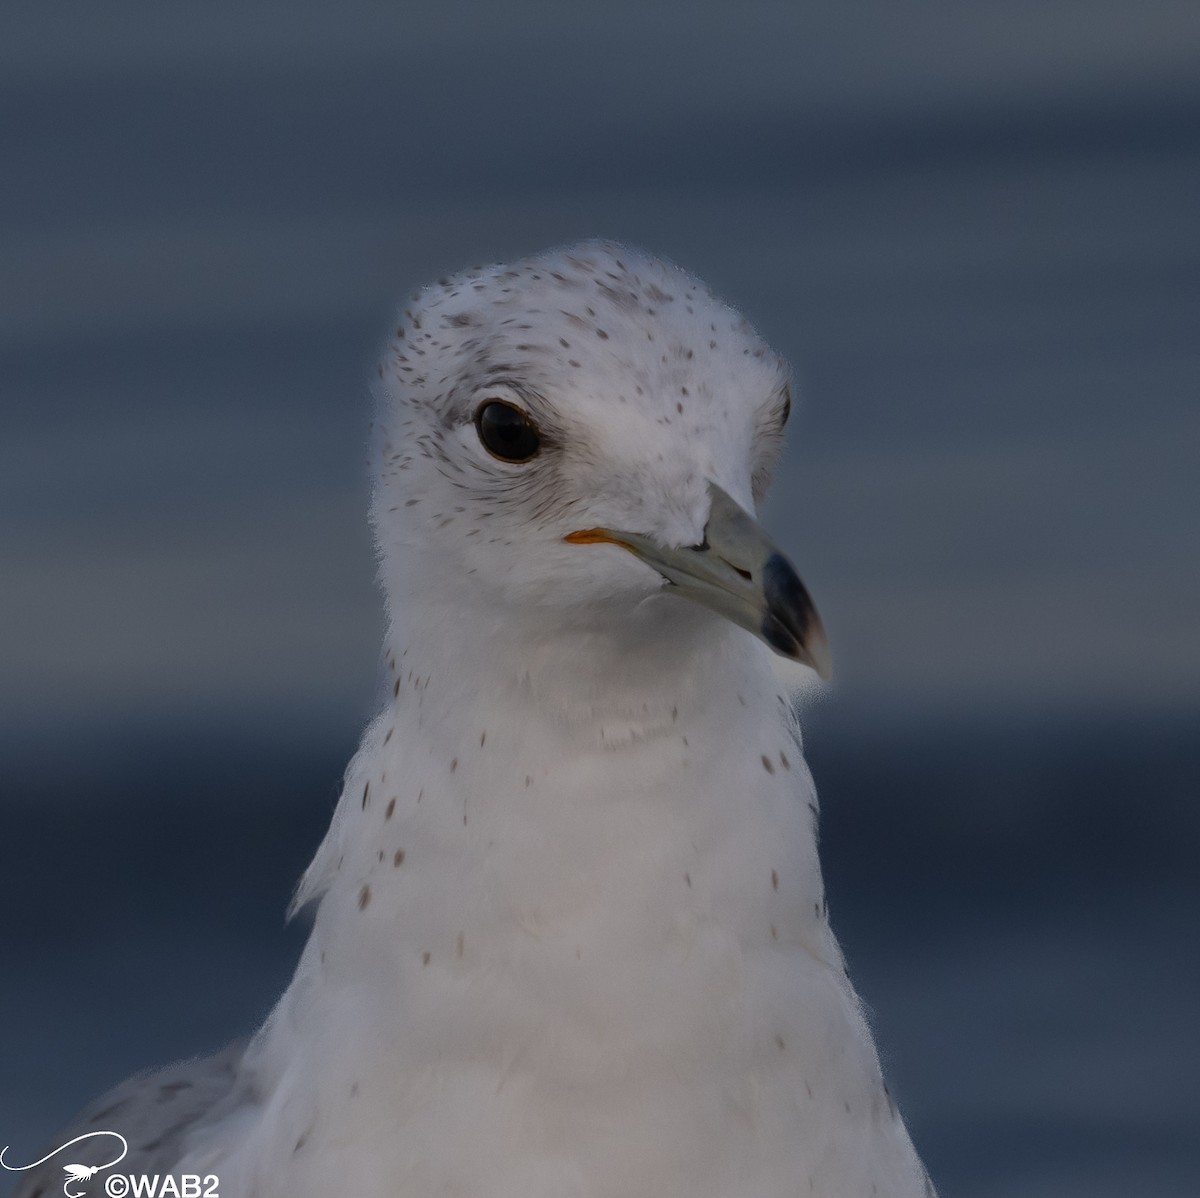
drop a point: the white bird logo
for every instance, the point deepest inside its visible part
(73, 1172)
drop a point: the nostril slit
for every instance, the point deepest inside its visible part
(744, 573)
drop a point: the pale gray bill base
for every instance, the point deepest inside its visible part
(738, 572)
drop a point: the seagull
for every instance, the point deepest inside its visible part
(570, 937)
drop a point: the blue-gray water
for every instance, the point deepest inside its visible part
(973, 229)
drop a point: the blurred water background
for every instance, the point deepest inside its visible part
(974, 228)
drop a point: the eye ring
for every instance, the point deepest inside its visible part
(506, 431)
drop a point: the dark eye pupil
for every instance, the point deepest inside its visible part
(506, 431)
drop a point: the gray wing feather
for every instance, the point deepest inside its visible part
(153, 1111)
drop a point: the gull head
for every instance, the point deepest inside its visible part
(573, 434)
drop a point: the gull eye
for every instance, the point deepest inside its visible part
(787, 405)
(506, 432)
